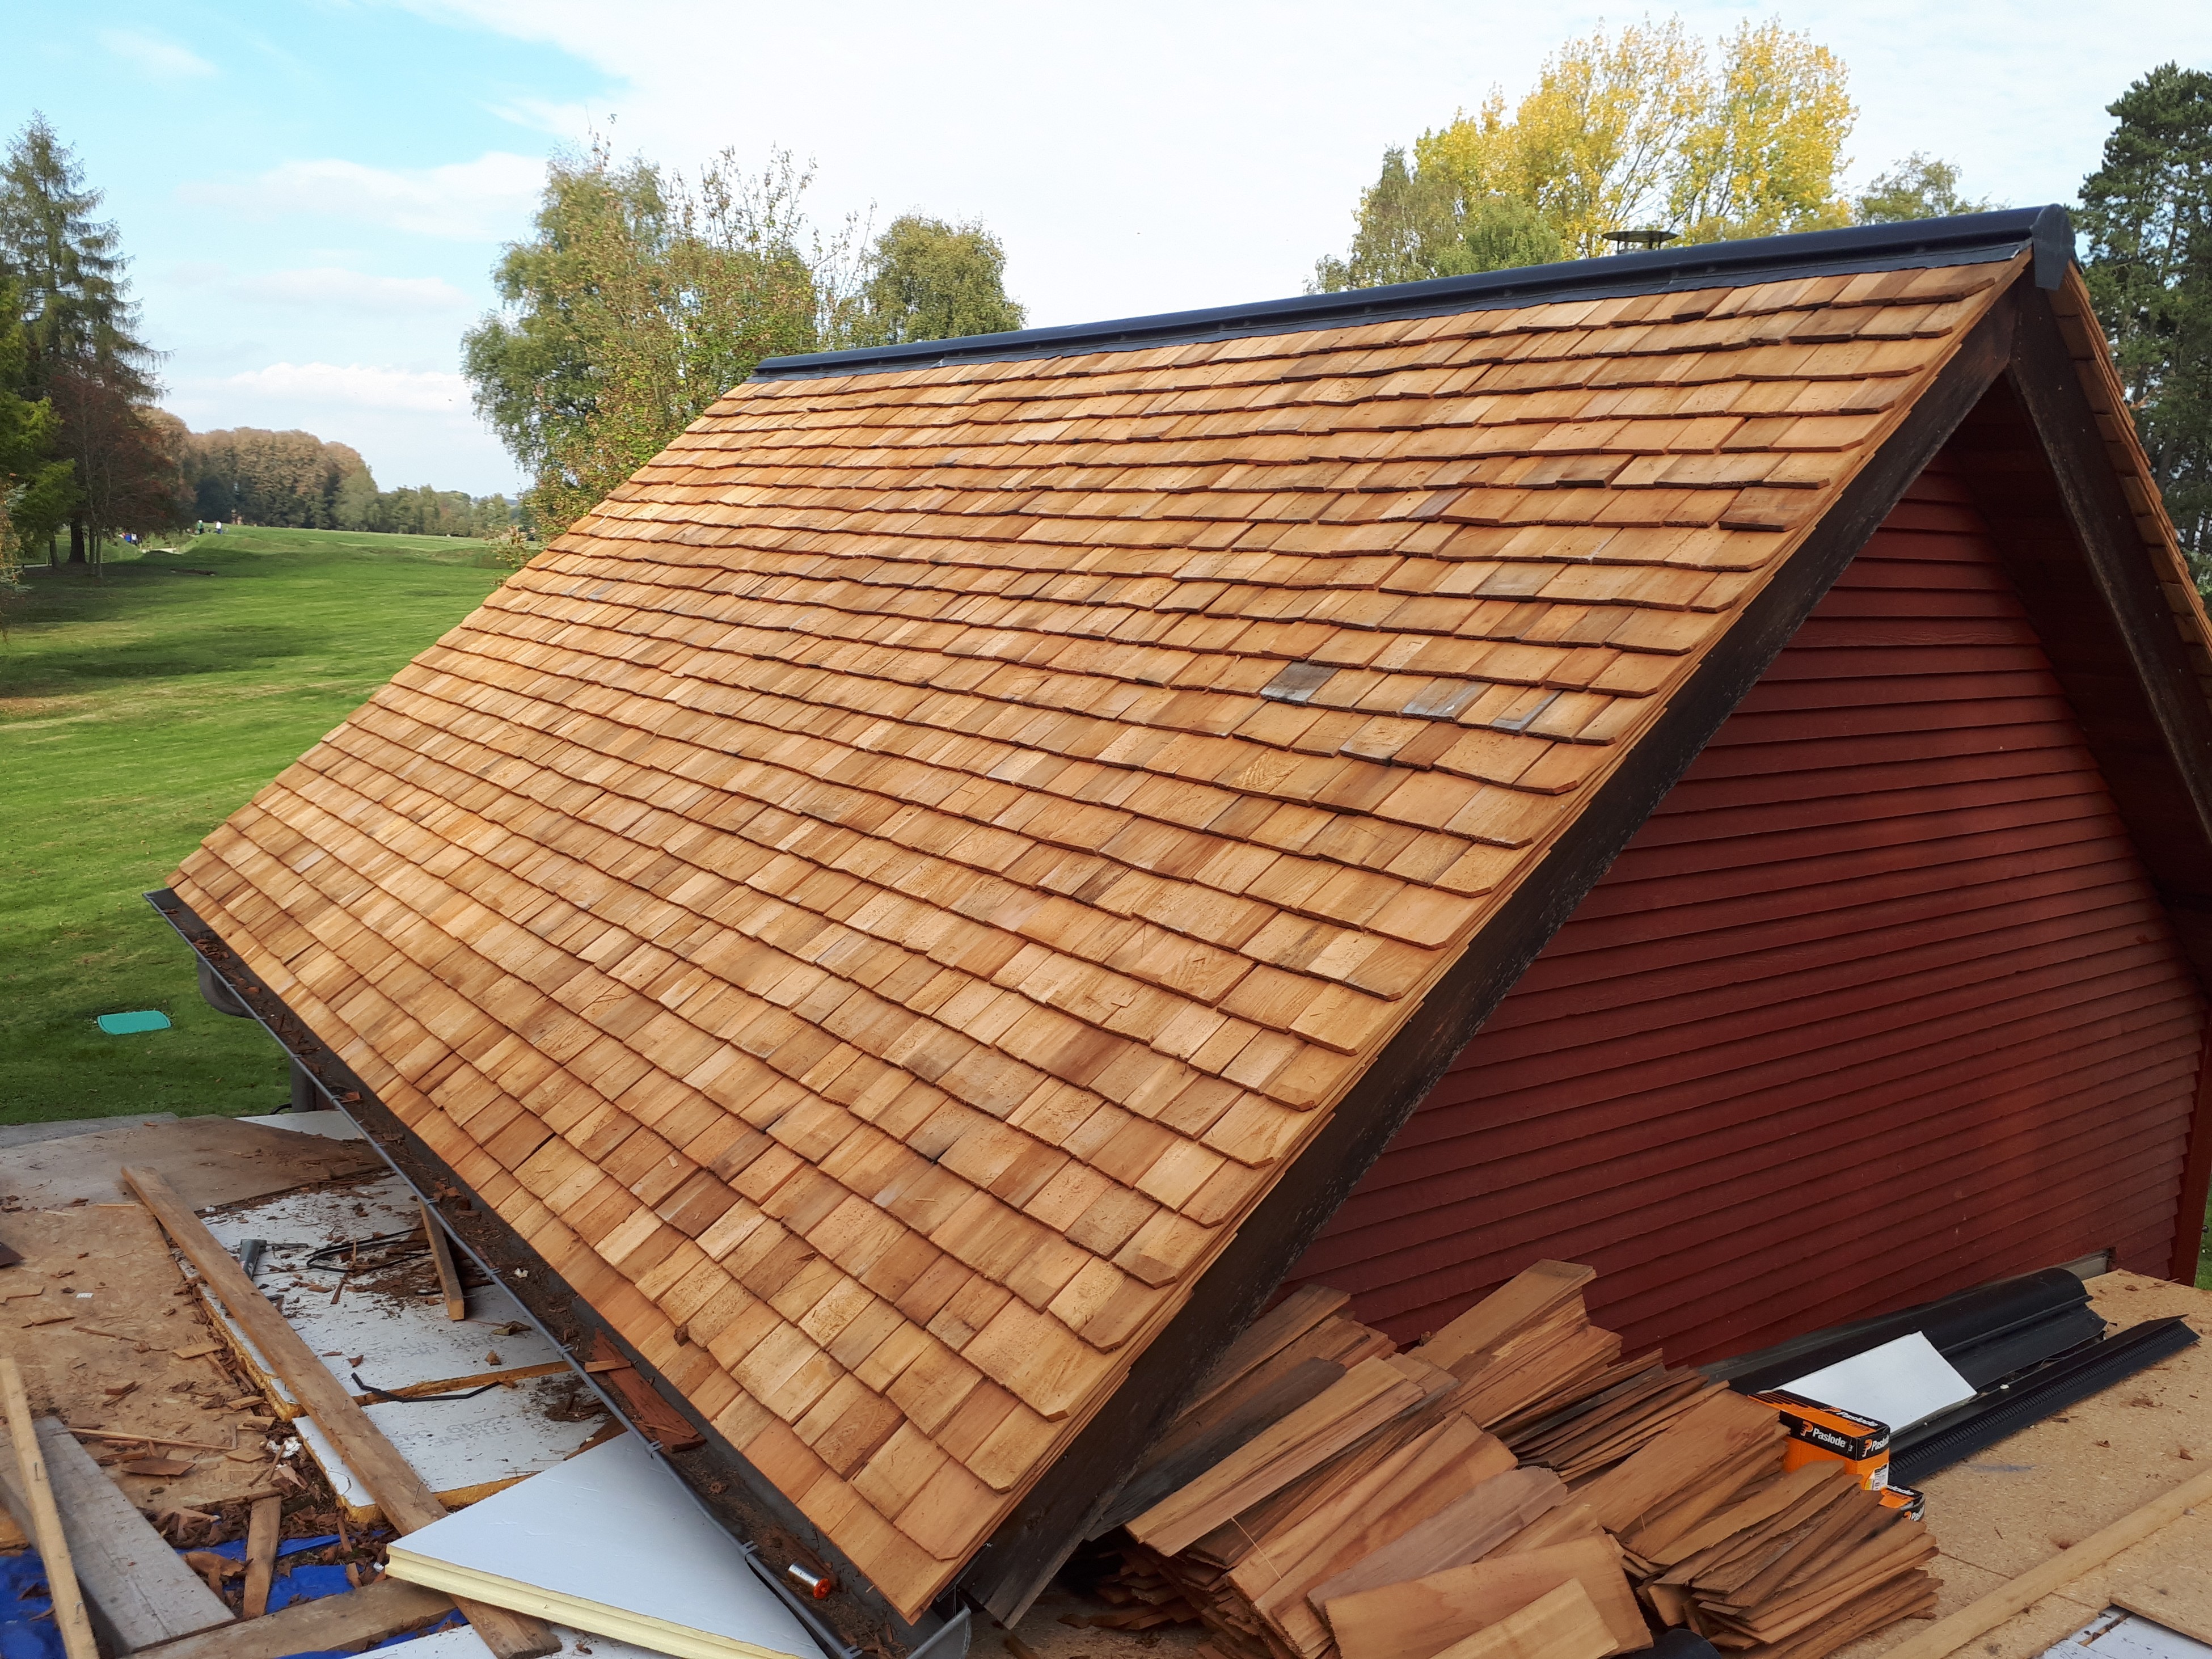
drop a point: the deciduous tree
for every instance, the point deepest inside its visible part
(2146, 219)
(1630, 130)
(1918, 187)
(642, 297)
(929, 280)
(37, 484)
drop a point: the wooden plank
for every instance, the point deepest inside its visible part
(1036, 1536)
(1498, 1509)
(262, 1527)
(1268, 1335)
(1422, 1617)
(352, 1620)
(1716, 1429)
(135, 1590)
(1560, 1623)
(1512, 1307)
(442, 1253)
(1371, 1394)
(407, 1504)
(43, 1520)
(1183, 1456)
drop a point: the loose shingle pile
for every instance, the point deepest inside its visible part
(876, 903)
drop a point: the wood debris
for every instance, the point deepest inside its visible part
(1325, 1497)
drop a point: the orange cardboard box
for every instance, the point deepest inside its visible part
(1821, 1433)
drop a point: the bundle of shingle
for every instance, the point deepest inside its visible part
(1324, 1495)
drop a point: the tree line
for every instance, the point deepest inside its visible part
(86, 455)
(297, 481)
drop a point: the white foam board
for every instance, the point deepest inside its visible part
(462, 1643)
(2115, 1635)
(1899, 1383)
(331, 1124)
(462, 1447)
(609, 1542)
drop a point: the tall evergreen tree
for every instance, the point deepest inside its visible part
(2146, 217)
(37, 486)
(81, 329)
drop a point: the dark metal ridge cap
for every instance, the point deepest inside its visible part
(1965, 239)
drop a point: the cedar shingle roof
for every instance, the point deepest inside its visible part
(877, 902)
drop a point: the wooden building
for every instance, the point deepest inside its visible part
(921, 914)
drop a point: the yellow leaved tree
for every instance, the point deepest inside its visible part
(1639, 129)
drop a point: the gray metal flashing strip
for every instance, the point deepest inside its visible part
(1967, 239)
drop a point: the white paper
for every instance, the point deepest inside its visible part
(1899, 1383)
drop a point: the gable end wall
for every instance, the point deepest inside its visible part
(1879, 1004)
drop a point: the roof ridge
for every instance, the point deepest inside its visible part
(1962, 239)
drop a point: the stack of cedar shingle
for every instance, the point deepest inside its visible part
(1325, 1495)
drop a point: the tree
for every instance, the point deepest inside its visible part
(640, 298)
(84, 350)
(2146, 218)
(1628, 132)
(292, 479)
(37, 485)
(928, 280)
(1918, 187)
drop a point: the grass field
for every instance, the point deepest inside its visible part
(137, 713)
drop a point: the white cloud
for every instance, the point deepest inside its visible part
(489, 196)
(1124, 177)
(150, 55)
(331, 288)
(355, 385)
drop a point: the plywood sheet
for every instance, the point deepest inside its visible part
(611, 1542)
(209, 1160)
(2055, 1483)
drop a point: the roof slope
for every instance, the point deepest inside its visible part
(877, 902)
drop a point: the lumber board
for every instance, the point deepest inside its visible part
(262, 1527)
(407, 1501)
(441, 1254)
(1371, 1394)
(1420, 1618)
(43, 1521)
(1560, 1623)
(1268, 1335)
(1718, 1427)
(1518, 1302)
(137, 1592)
(1497, 1510)
(352, 1621)
(1186, 1455)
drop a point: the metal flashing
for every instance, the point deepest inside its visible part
(1965, 239)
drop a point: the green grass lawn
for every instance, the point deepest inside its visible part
(137, 713)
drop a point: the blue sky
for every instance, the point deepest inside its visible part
(314, 192)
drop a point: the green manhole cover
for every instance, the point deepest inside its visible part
(142, 1020)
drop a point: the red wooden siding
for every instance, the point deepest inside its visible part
(1878, 1005)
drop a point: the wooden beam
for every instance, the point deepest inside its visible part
(1947, 1636)
(441, 1252)
(44, 1522)
(262, 1523)
(1034, 1541)
(406, 1499)
(352, 1621)
(137, 1592)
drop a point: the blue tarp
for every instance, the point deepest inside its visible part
(26, 1624)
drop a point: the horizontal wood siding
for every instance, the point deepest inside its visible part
(1878, 1005)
